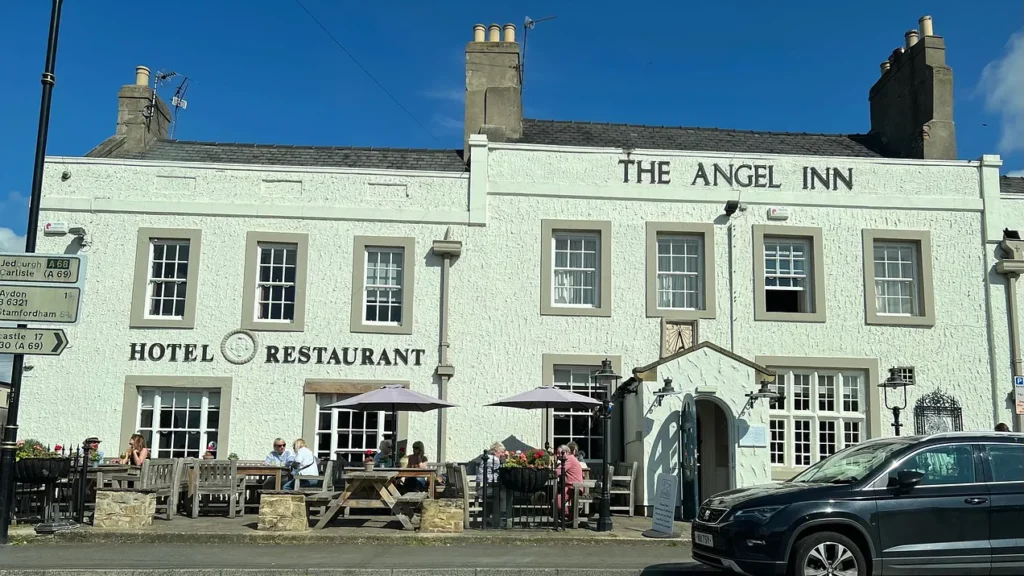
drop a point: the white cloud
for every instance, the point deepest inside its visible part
(1002, 82)
(447, 122)
(450, 94)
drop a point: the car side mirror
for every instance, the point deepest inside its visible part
(905, 479)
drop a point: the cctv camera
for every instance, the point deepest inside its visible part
(77, 231)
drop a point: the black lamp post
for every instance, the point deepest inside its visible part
(606, 380)
(894, 382)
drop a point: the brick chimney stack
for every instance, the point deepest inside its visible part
(912, 103)
(142, 119)
(494, 98)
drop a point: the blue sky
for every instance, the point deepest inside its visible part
(263, 70)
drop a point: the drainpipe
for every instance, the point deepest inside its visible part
(448, 249)
(1011, 266)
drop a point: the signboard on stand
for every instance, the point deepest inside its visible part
(665, 499)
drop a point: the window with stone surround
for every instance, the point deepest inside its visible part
(347, 433)
(823, 412)
(275, 282)
(382, 286)
(581, 427)
(179, 423)
(789, 278)
(166, 278)
(575, 268)
(898, 278)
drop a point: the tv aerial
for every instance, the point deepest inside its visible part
(528, 24)
(178, 102)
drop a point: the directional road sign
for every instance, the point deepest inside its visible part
(34, 341)
(52, 304)
(41, 268)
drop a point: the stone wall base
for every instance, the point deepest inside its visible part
(282, 513)
(443, 516)
(124, 509)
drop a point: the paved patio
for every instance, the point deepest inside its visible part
(221, 530)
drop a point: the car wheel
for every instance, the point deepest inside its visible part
(828, 554)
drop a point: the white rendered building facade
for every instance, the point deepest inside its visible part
(235, 291)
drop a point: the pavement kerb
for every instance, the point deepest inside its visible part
(525, 571)
(95, 536)
(354, 572)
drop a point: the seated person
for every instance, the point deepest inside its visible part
(304, 464)
(281, 456)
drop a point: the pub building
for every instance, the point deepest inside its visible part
(754, 287)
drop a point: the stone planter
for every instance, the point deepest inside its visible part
(128, 509)
(41, 470)
(525, 480)
(282, 512)
(368, 465)
(443, 516)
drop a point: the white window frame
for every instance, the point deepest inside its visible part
(913, 282)
(784, 383)
(383, 431)
(203, 430)
(806, 277)
(259, 284)
(397, 288)
(595, 270)
(592, 390)
(689, 242)
(153, 283)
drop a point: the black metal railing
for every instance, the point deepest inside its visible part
(51, 492)
(515, 498)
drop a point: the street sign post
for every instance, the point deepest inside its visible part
(33, 341)
(1018, 395)
(50, 304)
(41, 268)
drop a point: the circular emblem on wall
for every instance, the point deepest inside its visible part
(239, 347)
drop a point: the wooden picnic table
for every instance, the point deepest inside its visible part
(381, 484)
(429, 473)
(277, 472)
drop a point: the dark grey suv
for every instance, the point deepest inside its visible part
(947, 504)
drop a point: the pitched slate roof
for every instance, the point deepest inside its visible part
(284, 155)
(635, 136)
(550, 132)
(1011, 185)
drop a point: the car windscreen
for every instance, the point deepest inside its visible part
(851, 464)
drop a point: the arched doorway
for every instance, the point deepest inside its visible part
(714, 447)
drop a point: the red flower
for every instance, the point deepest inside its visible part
(58, 447)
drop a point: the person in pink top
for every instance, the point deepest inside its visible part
(573, 474)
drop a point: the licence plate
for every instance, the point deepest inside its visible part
(704, 539)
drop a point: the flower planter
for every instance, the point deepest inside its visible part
(527, 480)
(41, 470)
(368, 466)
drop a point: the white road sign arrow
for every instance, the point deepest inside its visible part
(33, 341)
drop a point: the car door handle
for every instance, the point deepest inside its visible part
(975, 501)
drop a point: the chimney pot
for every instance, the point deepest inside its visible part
(478, 32)
(510, 33)
(141, 76)
(926, 26)
(911, 37)
(494, 33)
(885, 66)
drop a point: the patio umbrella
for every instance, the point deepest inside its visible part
(547, 398)
(392, 398)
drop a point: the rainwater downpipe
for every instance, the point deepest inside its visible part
(1012, 267)
(732, 291)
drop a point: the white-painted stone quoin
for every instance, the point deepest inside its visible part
(543, 248)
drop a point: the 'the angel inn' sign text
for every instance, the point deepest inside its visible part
(735, 175)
